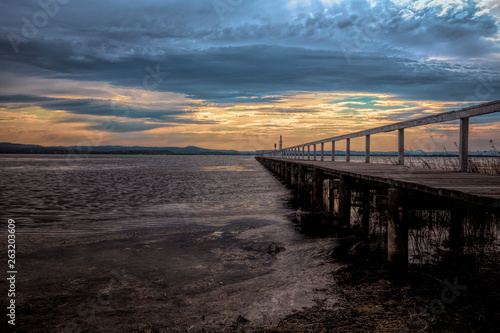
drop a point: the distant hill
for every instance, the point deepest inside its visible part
(15, 148)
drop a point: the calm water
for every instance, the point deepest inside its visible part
(55, 194)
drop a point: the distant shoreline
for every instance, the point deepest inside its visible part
(159, 153)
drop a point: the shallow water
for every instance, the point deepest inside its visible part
(55, 194)
(189, 233)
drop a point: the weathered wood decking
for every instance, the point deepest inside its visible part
(473, 188)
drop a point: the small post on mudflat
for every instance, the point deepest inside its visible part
(397, 233)
(463, 145)
(344, 201)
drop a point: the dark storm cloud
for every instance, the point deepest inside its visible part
(224, 74)
(24, 99)
(109, 125)
(259, 48)
(93, 107)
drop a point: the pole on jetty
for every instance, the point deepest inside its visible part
(322, 150)
(367, 149)
(397, 233)
(344, 201)
(347, 150)
(463, 145)
(333, 151)
(401, 146)
(314, 156)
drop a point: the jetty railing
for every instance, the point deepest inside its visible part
(298, 151)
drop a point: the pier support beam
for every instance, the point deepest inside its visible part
(317, 181)
(293, 174)
(456, 228)
(345, 201)
(397, 233)
(302, 176)
(333, 185)
(365, 213)
(287, 173)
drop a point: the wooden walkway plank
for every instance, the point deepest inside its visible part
(473, 188)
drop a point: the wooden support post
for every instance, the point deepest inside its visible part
(333, 151)
(344, 201)
(314, 156)
(401, 146)
(293, 174)
(302, 176)
(303, 153)
(308, 152)
(317, 182)
(348, 150)
(333, 186)
(463, 145)
(397, 233)
(456, 228)
(287, 173)
(322, 150)
(365, 214)
(367, 149)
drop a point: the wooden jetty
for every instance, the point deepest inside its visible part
(403, 187)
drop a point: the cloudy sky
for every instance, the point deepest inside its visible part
(235, 74)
